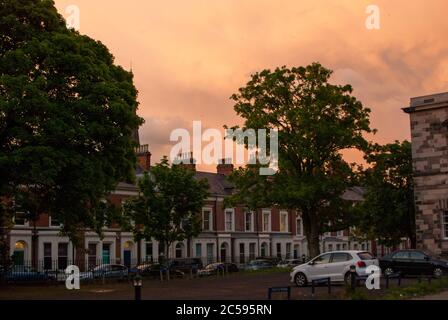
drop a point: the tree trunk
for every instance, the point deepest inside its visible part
(311, 228)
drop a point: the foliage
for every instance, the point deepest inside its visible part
(316, 122)
(388, 211)
(67, 114)
(168, 206)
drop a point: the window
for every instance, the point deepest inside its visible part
(401, 255)
(340, 233)
(207, 219)
(242, 260)
(149, 254)
(283, 221)
(264, 249)
(47, 256)
(54, 222)
(330, 247)
(248, 221)
(340, 257)
(179, 250)
(445, 223)
(338, 247)
(252, 251)
(288, 250)
(417, 255)
(365, 256)
(229, 220)
(299, 227)
(62, 256)
(266, 221)
(279, 250)
(198, 250)
(20, 218)
(92, 254)
(325, 258)
(210, 252)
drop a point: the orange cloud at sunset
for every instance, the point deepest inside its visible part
(189, 56)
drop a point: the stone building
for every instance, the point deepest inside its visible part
(429, 130)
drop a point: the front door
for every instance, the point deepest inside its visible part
(19, 258)
(106, 253)
(127, 258)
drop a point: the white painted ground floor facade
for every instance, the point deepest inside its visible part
(121, 248)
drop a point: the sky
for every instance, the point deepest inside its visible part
(189, 56)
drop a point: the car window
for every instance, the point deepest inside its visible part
(401, 255)
(325, 258)
(340, 257)
(365, 256)
(417, 255)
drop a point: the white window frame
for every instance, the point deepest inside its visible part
(340, 233)
(282, 214)
(210, 218)
(264, 213)
(51, 225)
(232, 211)
(251, 229)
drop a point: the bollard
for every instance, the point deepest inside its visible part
(353, 278)
(161, 274)
(138, 288)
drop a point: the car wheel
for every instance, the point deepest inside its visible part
(388, 271)
(348, 278)
(438, 272)
(300, 280)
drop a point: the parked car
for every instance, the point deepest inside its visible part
(260, 265)
(109, 271)
(186, 264)
(213, 268)
(334, 265)
(24, 273)
(153, 271)
(290, 263)
(413, 262)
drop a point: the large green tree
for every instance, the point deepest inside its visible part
(388, 212)
(67, 114)
(316, 122)
(168, 206)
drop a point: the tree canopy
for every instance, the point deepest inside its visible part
(168, 206)
(388, 212)
(67, 114)
(316, 122)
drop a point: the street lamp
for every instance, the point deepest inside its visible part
(138, 287)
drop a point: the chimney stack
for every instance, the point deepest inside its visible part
(186, 160)
(225, 167)
(143, 157)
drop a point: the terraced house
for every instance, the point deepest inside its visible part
(228, 234)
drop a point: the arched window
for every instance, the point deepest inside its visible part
(19, 253)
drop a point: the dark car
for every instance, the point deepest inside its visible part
(187, 264)
(412, 262)
(260, 264)
(110, 271)
(23, 274)
(213, 268)
(153, 271)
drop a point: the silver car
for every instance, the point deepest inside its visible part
(334, 265)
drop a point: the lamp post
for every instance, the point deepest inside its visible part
(138, 287)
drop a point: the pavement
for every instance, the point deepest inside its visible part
(439, 296)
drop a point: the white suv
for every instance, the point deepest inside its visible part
(334, 265)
